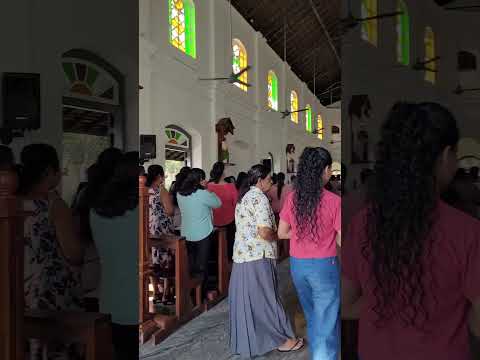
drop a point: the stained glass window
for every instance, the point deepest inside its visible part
(320, 127)
(294, 106)
(85, 79)
(272, 90)
(240, 62)
(403, 34)
(370, 27)
(430, 54)
(181, 16)
(308, 118)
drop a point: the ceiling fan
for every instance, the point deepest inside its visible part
(286, 112)
(464, 7)
(351, 21)
(422, 65)
(234, 77)
(460, 90)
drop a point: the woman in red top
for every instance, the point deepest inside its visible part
(228, 194)
(410, 262)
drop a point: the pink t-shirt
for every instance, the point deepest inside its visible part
(455, 256)
(276, 203)
(228, 194)
(323, 243)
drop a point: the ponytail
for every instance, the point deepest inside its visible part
(257, 172)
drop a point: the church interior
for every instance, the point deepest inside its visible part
(189, 84)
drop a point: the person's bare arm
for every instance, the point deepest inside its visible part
(70, 243)
(351, 300)
(283, 230)
(167, 201)
(267, 233)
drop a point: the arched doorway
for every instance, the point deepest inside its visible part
(178, 152)
(93, 114)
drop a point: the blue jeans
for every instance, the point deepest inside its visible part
(318, 286)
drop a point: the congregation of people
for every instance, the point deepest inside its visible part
(57, 236)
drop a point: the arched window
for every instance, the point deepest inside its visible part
(320, 127)
(272, 90)
(403, 34)
(370, 27)
(294, 106)
(308, 118)
(429, 55)
(181, 17)
(240, 62)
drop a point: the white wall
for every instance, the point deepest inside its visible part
(374, 70)
(34, 35)
(173, 94)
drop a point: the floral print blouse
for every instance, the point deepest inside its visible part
(159, 222)
(253, 212)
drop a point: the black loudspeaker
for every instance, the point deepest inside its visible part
(148, 147)
(467, 61)
(21, 101)
(267, 163)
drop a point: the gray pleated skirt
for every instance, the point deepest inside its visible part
(258, 322)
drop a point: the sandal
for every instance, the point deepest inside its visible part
(295, 347)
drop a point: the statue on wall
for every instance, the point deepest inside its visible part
(224, 127)
(290, 159)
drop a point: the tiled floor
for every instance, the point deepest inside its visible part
(206, 337)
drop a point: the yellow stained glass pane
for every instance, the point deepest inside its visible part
(430, 54)
(369, 28)
(320, 127)
(240, 62)
(294, 106)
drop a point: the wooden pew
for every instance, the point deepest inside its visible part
(11, 271)
(159, 326)
(224, 268)
(15, 325)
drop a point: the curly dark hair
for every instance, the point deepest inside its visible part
(403, 198)
(308, 187)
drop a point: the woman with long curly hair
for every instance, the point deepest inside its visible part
(258, 321)
(411, 263)
(311, 219)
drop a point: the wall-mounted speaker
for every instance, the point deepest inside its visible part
(148, 147)
(467, 61)
(21, 101)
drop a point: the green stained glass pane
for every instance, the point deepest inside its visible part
(92, 75)
(275, 91)
(190, 28)
(69, 71)
(177, 135)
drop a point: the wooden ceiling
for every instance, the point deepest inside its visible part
(313, 37)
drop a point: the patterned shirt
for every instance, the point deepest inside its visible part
(253, 212)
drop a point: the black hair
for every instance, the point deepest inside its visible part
(274, 178)
(230, 179)
(217, 171)
(7, 160)
(100, 173)
(177, 184)
(154, 171)
(192, 182)
(403, 198)
(120, 193)
(365, 174)
(241, 178)
(280, 184)
(256, 172)
(308, 188)
(36, 160)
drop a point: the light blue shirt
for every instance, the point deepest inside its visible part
(196, 210)
(116, 240)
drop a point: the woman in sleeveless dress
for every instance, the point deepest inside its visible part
(160, 223)
(53, 252)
